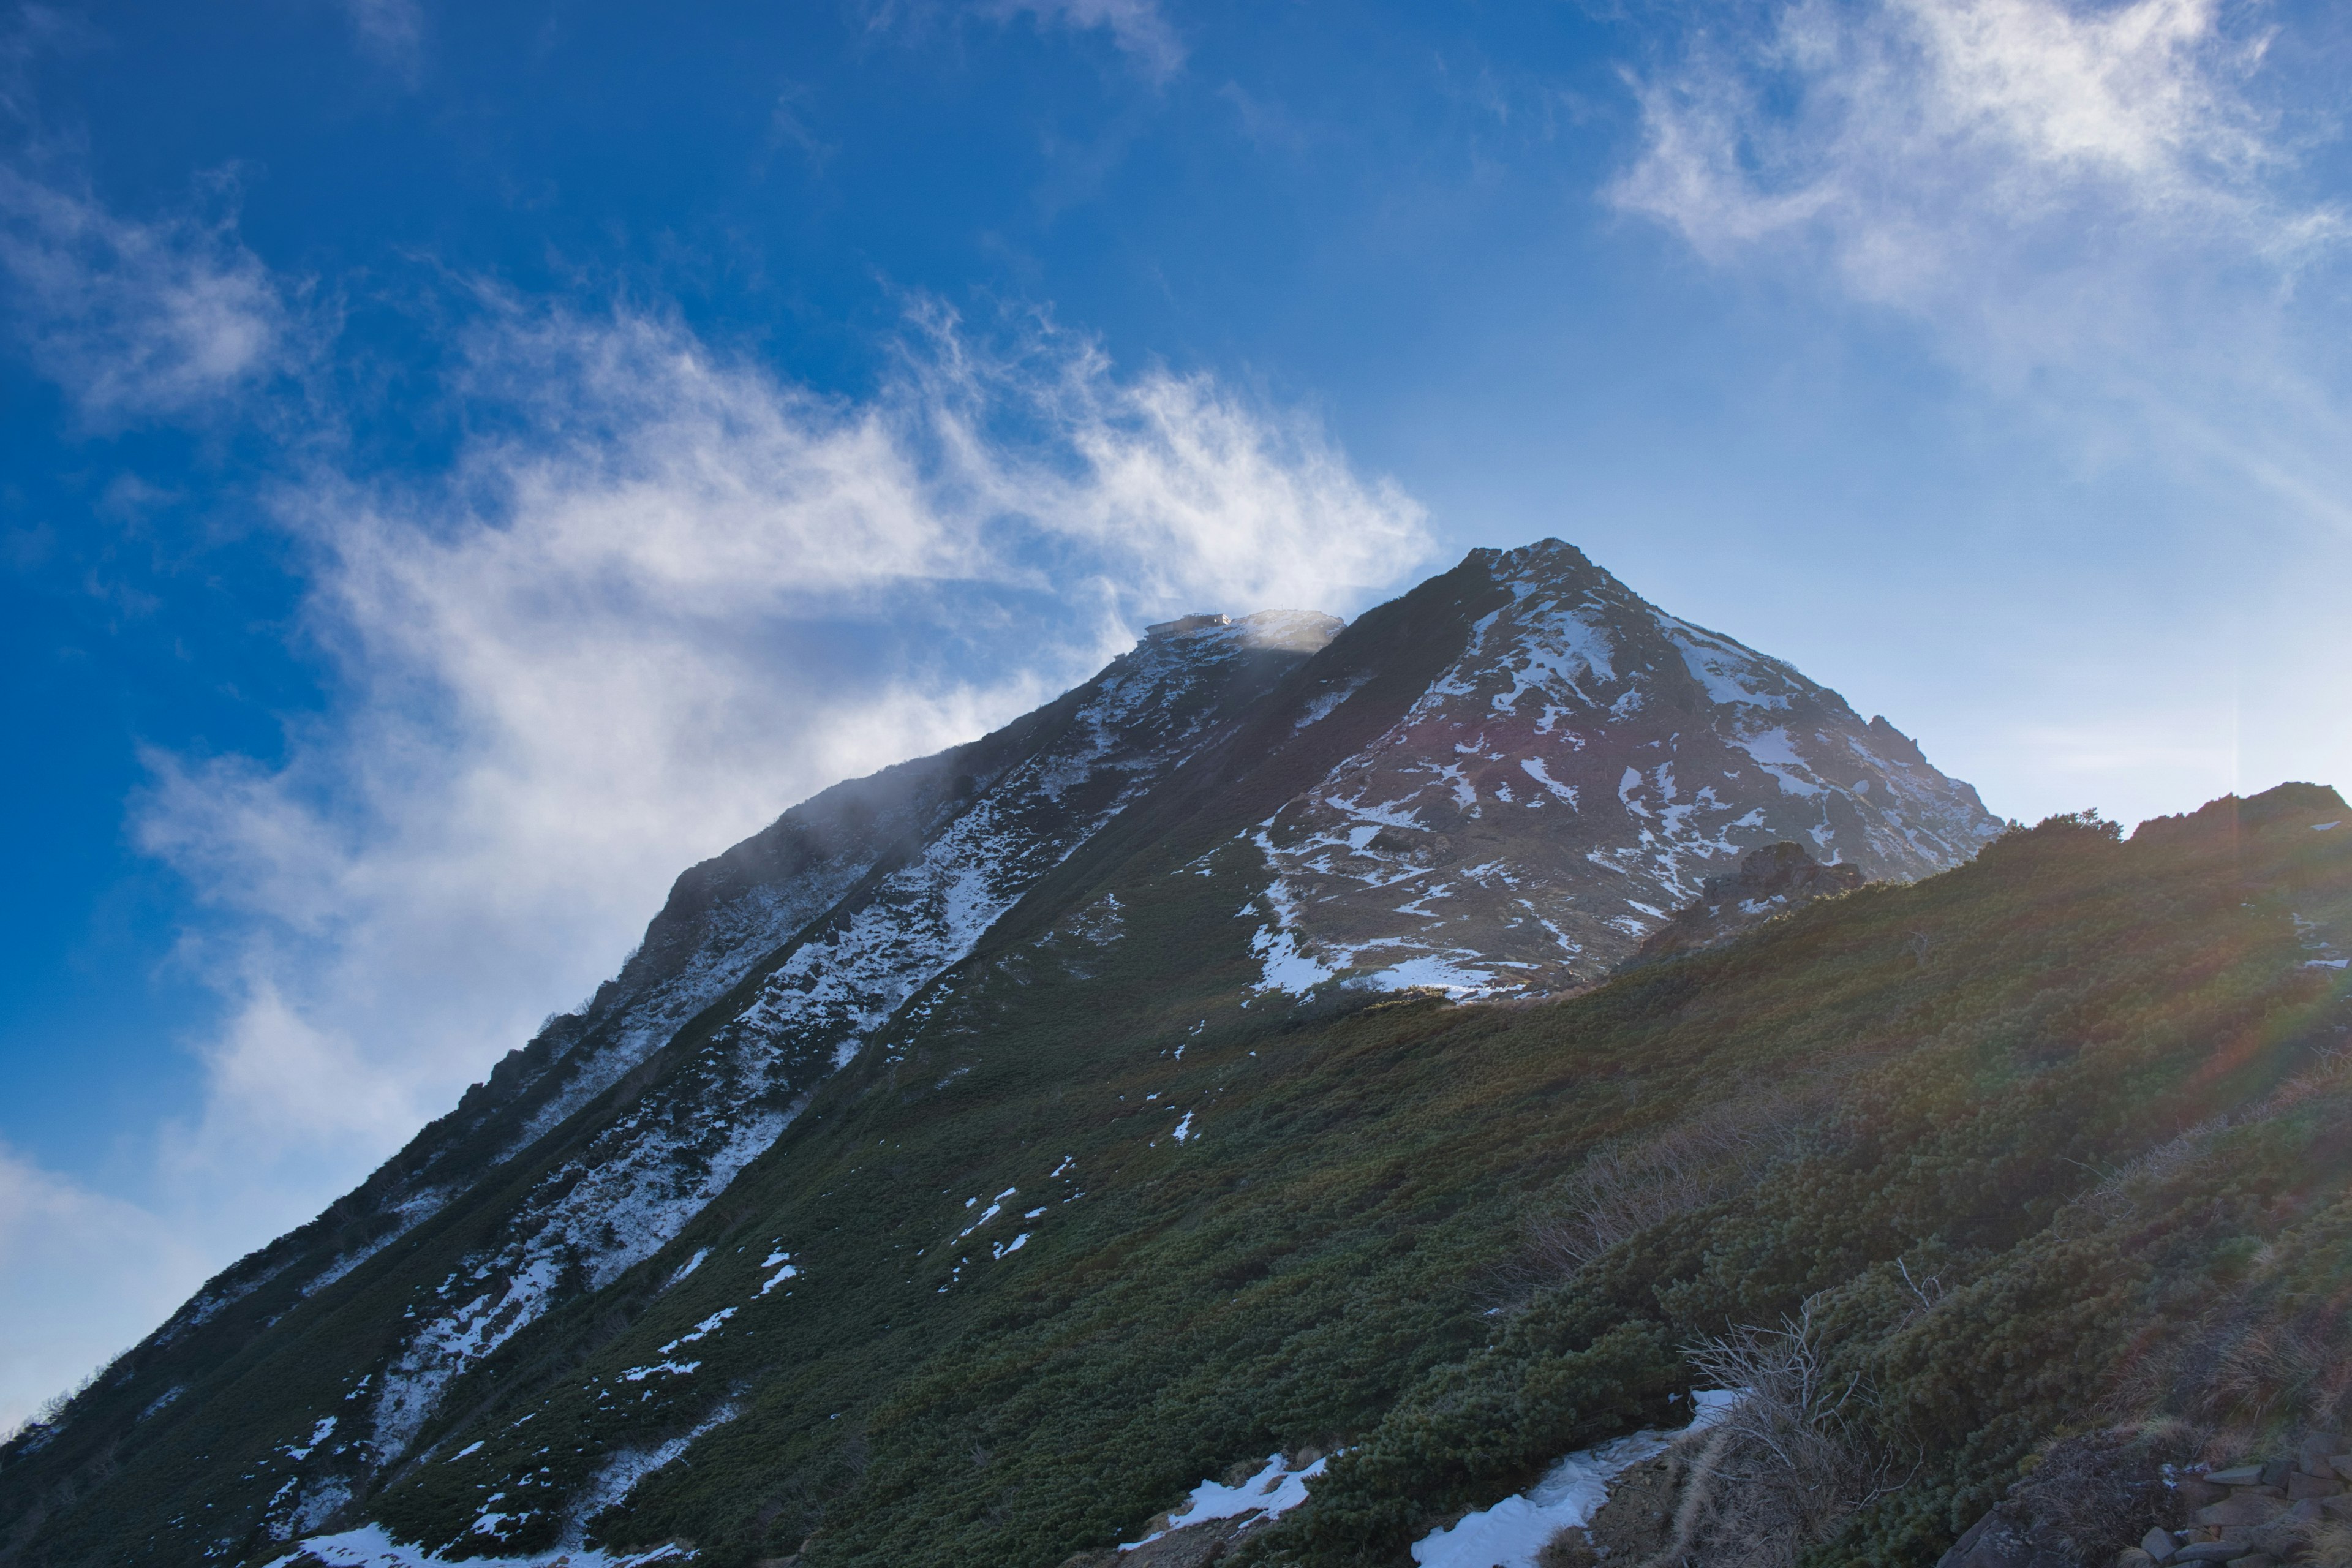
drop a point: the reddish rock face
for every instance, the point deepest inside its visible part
(1525, 819)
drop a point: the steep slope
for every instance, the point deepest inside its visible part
(587, 1149)
(1233, 815)
(723, 917)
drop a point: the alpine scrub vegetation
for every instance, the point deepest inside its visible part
(976, 1161)
(2088, 1167)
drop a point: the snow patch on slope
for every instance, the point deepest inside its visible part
(1731, 674)
(1274, 1491)
(643, 1177)
(1513, 1532)
(620, 1203)
(1282, 966)
(371, 1546)
(1778, 757)
(624, 1471)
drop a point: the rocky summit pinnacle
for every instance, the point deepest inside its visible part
(1568, 779)
(1498, 784)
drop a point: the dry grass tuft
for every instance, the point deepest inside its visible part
(1786, 1464)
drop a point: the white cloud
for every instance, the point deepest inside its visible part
(390, 30)
(1136, 27)
(1913, 138)
(2102, 214)
(128, 1269)
(658, 596)
(2102, 193)
(140, 319)
(667, 596)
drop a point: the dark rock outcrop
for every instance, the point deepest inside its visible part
(2112, 1497)
(1770, 881)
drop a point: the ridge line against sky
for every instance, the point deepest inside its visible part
(466, 466)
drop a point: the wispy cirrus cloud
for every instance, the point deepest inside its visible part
(1916, 139)
(136, 320)
(2103, 216)
(658, 595)
(664, 596)
(2103, 194)
(1888, 126)
(392, 31)
(1139, 29)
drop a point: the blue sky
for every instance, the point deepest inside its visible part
(463, 463)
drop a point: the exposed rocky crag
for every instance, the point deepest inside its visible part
(1770, 881)
(1572, 773)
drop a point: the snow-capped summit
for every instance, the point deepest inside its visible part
(1568, 780)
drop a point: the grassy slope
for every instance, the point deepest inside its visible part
(1324, 1260)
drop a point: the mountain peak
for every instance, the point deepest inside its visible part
(1574, 772)
(1496, 784)
(1545, 559)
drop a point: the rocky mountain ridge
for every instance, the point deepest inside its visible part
(1498, 786)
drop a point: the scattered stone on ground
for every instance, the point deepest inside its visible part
(2111, 1499)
